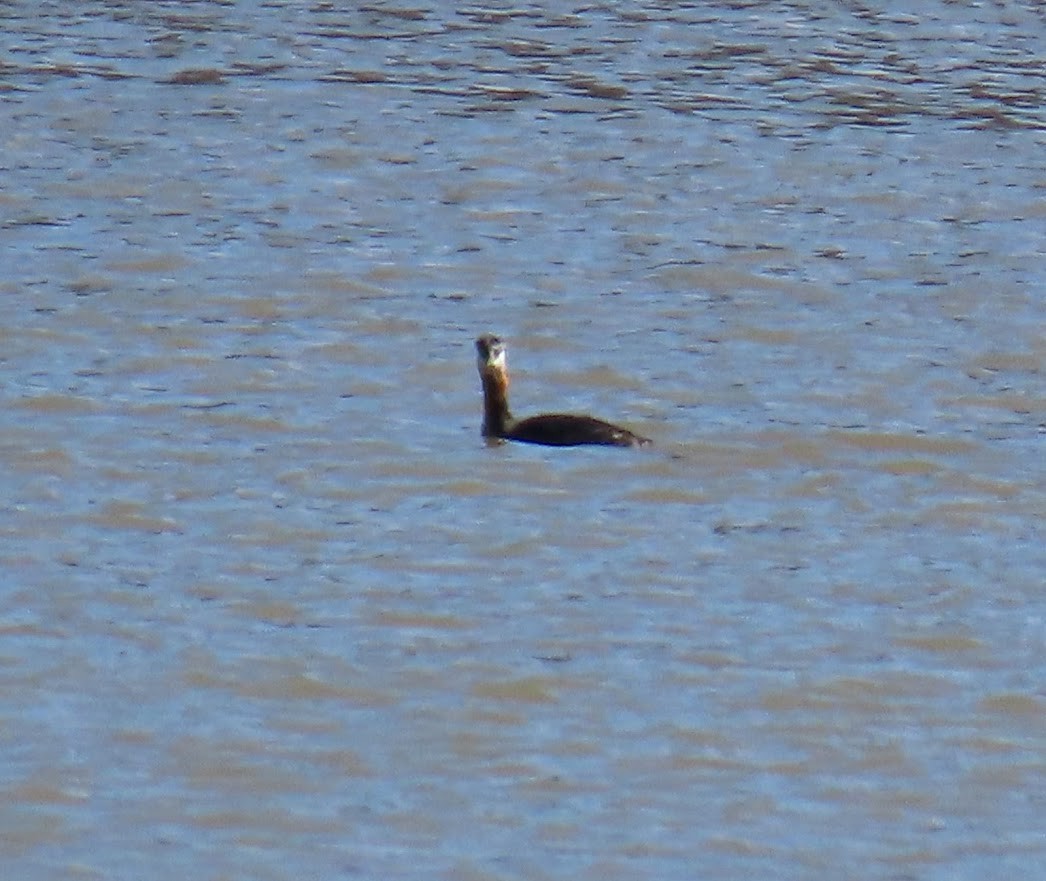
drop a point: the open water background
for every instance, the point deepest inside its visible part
(270, 609)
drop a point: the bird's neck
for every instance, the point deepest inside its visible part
(496, 416)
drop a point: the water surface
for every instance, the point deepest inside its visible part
(272, 609)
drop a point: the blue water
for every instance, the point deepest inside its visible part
(272, 609)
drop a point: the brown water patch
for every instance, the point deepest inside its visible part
(43, 460)
(269, 680)
(1001, 489)
(133, 516)
(206, 76)
(1008, 362)
(470, 488)
(600, 376)
(908, 467)
(506, 93)
(765, 336)
(279, 614)
(1024, 404)
(942, 643)
(669, 496)
(55, 402)
(858, 695)
(754, 452)
(86, 285)
(968, 516)
(26, 831)
(361, 76)
(528, 689)
(793, 447)
(1016, 704)
(244, 425)
(886, 442)
(736, 846)
(44, 792)
(594, 88)
(419, 621)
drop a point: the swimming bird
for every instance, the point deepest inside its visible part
(550, 429)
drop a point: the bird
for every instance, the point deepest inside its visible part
(548, 429)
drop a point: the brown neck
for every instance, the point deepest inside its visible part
(496, 417)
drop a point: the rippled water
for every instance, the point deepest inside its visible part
(272, 609)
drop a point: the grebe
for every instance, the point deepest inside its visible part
(551, 429)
